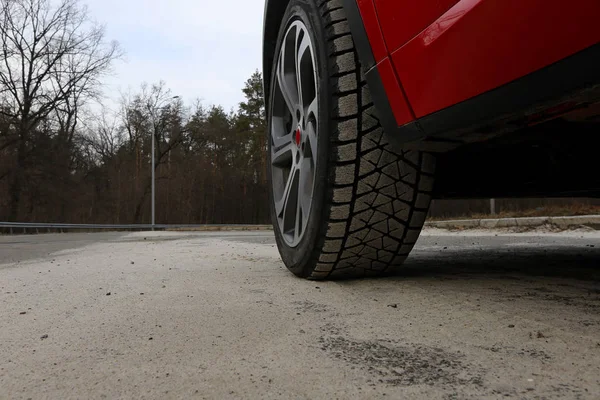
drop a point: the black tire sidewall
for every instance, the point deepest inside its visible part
(300, 260)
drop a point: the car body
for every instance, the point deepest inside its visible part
(475, 80)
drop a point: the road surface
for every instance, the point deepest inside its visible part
(216, 316)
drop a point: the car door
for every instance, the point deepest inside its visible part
(445, 51)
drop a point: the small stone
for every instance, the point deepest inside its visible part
(150, 338)
(393, 305)
(132, 263)
(44, 337)
(511, 326)
(23, 313)
(109, 293)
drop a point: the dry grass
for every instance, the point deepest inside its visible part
(547, 211)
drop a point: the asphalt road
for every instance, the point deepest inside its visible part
(216, 316)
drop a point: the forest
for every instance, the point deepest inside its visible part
(210, 164)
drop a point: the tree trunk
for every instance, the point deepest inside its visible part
(16, 186)
(140, 205)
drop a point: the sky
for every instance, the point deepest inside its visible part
(202, 49)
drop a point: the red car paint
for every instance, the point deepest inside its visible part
(402, 20)
(395, 93)
(474, 46)
(371, 22)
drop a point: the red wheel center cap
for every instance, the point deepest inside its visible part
(298, 137)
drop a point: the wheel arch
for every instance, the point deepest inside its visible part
(273, 15)
(274, 11)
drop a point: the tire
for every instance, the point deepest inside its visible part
(368, 202)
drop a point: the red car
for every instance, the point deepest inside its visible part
(377, 106)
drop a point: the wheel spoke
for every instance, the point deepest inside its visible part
(282, 204)
(282, 140)
(282, 156)
(302, 44)
(311, 136)
(312, 125)
(312, 112)
(298, 226)
(286, 82)
(306, 181)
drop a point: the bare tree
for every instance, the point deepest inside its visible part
(103, 135)
(52, 57)
(152, 116)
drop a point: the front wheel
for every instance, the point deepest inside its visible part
(343, 202)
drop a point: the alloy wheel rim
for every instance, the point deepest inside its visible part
(294, 133)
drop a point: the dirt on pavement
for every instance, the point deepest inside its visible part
(174, 315)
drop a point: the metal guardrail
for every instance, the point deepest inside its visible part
(24, 226)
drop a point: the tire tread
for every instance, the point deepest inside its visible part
(378, 198)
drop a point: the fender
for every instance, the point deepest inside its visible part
(386, 90)
(274, 11)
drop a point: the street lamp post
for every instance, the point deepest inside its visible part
(153, 166)
(153, 180)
